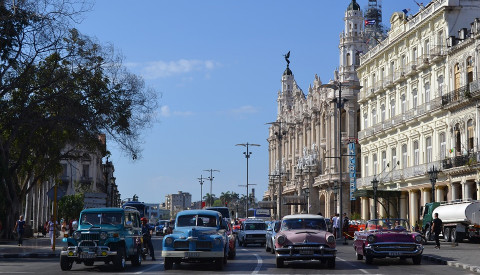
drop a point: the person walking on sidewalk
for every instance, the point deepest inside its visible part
(19, 227)
(51, 226)
(437, 229)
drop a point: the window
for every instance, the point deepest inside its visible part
(443, 146)
(404, 103)
(404, 156)
(394, 157)
(426, 48)
(414, 98)
(392, 108)
(348, 60)
(427, 92)
(365, 121)
(440, 85)
(414, 54)
(428, 144)
(64, 170)
(375, 163)
(85, 171)
(469, 70)
(416, 154)
(470, 134)
(374, 117)
(383, 112)
(384, 160)
(365, 161)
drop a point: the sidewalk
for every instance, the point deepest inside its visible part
(36, 247)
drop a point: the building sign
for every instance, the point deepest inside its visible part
(352, 168)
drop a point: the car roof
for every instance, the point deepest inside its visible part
(105, 210)
(199, 212)
(253, 221)
(302, 216)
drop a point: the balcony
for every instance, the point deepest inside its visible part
(438, 53)
(388, 81)
(460, 161)
(399, 75)
(423, 62)
(411, 68)
(462, 96)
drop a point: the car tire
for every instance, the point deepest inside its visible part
(219, 263)
(368, 259)
(137, 258)
(359, 256)
(446, 234)
(167, 263)
(331, 263)
(65, 263)
(417, 259)
(428, 234)
(120, 261)
(279, 262)
(267, 248)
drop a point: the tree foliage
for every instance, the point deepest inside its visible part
(69, 207)
(58, 88)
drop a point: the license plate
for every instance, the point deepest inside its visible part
(192, 254)
(306, 252)
(394, 254)
(87, 255)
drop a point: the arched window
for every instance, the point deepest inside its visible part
(416, 153)
(443, 146)
(349, 63)
(428, 145)
(414, 98)
(404, 156)
(357, 59)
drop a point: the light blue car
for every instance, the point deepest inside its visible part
(198, 236)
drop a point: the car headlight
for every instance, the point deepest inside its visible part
(371, 239)
(77, 235)
(330, 239)
(103, 235)
(281, 239)
(418, 238)
(217, 241)
(169, 241)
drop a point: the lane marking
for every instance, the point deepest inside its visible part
(148, 269)
(353, 265)
(259, 262)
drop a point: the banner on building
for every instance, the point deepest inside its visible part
(352, 168)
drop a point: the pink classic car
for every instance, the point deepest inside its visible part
(388, 238)
(304, 237)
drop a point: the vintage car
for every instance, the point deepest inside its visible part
(160, 225)
(198, 236)
(106, 235)
(304, 237)
(252, 231)
(272, 230)
(392, 238)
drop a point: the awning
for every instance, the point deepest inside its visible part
(294, 200)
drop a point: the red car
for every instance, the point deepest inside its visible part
(232, 241)
(388, 238)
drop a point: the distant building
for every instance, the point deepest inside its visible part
(178, 202)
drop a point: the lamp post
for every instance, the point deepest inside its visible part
(335, 192)
(433, 173)
(211, 179)
(247, 154)
(307, 195)
(375, 186)
(200, 179)
(337, 84)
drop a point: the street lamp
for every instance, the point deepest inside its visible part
(211, 179)
(200, 179)
(307, 195)
(433, 172)
(247, 156)
(375, 186)
(337, 84)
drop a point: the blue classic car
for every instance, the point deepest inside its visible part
(198, 236)
(106, 235)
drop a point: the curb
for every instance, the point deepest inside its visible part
(442, 261)
(30, 255)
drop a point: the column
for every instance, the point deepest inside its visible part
(403, 205)
(382, 203)
(453, 188)
(426, 196)
(413, 199)
(439, 193)
(365, 208)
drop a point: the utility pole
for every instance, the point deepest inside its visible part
(211, 179)
(200, 179)
(247, 156)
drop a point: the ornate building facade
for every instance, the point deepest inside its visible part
(419, 110)
(303, 141)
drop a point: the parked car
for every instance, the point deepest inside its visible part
(304, 237)
(354, 226)
(106, 235)
(388, 238)
(272, 230)
(198, 236)
(160, 226)
(252, 231)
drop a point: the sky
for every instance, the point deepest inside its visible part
(216, 66)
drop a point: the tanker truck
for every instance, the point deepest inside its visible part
(460, 220)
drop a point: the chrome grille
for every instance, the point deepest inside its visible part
(204, 245)
(395, 247)
(180, 244)
(90, 236)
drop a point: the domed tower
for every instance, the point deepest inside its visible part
(286, 95)
(352, 43)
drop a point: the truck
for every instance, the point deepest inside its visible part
(461, 219)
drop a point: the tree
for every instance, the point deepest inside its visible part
(58, 88)
(69, 207)
(217, 203)
(209, 199)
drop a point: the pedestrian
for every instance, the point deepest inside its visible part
(437, 227)
(147, 237)
(336, 224)
(51, 228)
(345, 226)
(19, 228)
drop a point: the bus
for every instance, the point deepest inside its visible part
(259, 213)
(140, 206)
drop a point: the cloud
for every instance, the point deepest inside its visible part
(162, 69)
(247, 109)
(165, 112)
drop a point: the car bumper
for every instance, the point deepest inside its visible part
(193, 254)
(294, 253)
(393, 250)
(256, 240)
(88, 253)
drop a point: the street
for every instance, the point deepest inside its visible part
(249, 260)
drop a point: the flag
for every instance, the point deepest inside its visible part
(406, 11)
(369, 22)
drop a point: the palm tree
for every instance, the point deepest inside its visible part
(209, 199)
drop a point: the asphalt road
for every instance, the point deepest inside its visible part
(249, 260)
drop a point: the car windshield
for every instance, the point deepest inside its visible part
(101, 218)
(388, 224)
(197, 220)
(294, 224)
(162, 223)
(222, 210)
(255, 226)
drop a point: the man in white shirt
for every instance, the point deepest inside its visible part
(336, 224)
